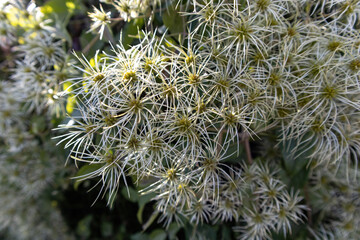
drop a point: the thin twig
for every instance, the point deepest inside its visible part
(246, 141)
(308, 209)
(93, 41)
(220, 141)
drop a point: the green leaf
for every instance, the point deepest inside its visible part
(38, 124)
(150, 220)
(84, 171)
(106, 229)
(139, 213)
(130, 29)
(236, 153)
(173, 230)
(173, 20)
(86, 41)
(139, 236)
(207, 231)
(62, 9)
(83, 227)
(158, 234)
(299, 179)
(60, 12)
(134, 195)
(225, 232)
(143, 200)
(296, 160)
(54, 6)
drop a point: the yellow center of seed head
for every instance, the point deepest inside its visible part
(181, 187)
(189, 59)
(282, 213)
(274, 79)
(282, 112)
(347, 8)
(134, 143)
(49, 51)
(272, 193)
(243, 31)
(355, 65)
(155, 145)
(102, 17)
(259, 57)
(333, 46)
(222, 84)
(329, 92)
(201, 107)
(349, 226)
(230, 118)
(254, 97)
(263, 4)
(317, 127)
(99, 77)
(171, 174)
(198, 206)
(183, 124)
(130, 76)
(110, 158)
(148, 63)
(228, 204)
(6, 113)
(291, 32)
(210, 164)
(27, 69)
(258, 218)
(169, 91)
(209, 13)
(194, 79)
(110, 120)
(135, 105)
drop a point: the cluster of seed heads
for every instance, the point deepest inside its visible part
(176, 114)
(126, 10)
(336, 197)
(29, 95)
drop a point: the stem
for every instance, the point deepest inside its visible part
(246, 142)
(307, 200)
(220, 141)
(193, 234)
(94, 40)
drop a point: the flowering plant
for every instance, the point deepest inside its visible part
(241, 113)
